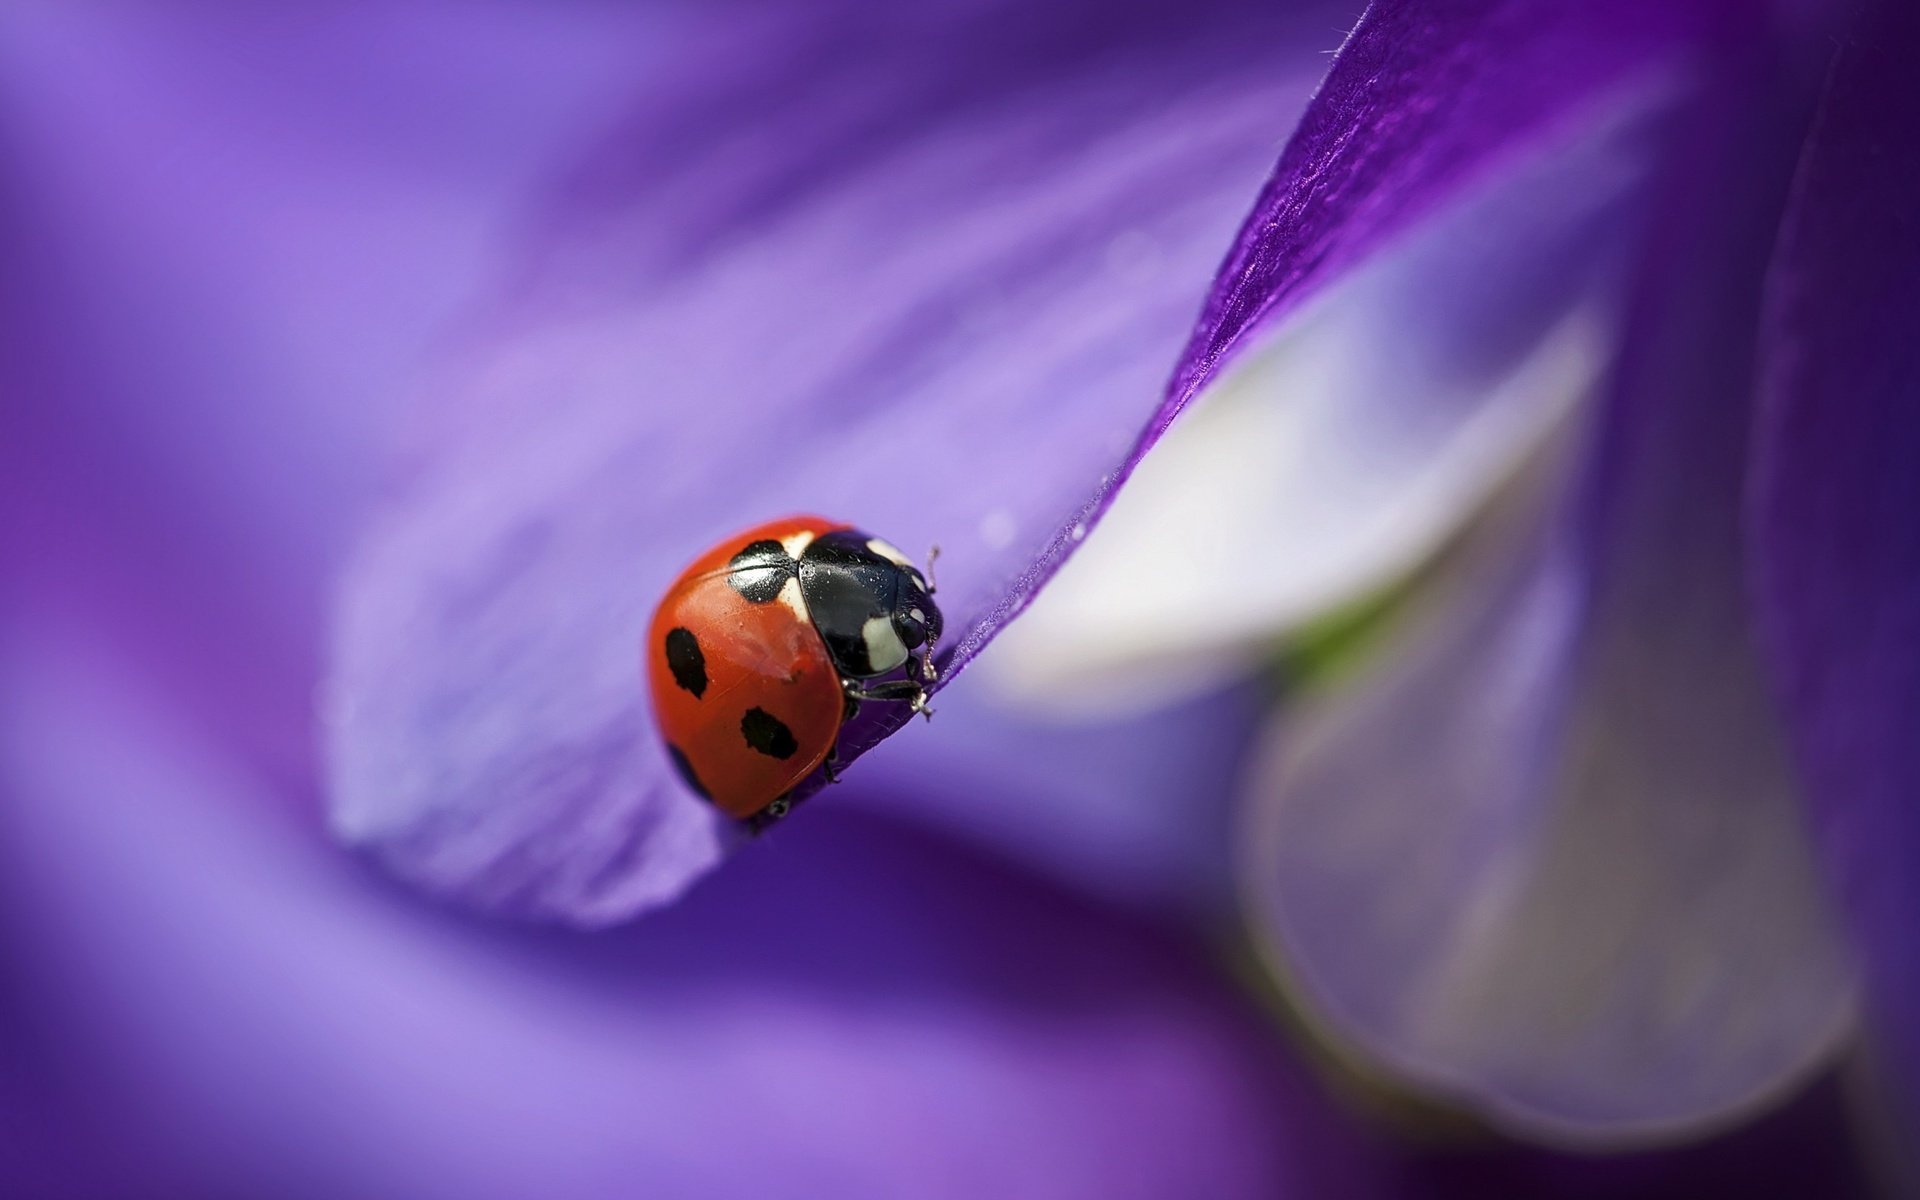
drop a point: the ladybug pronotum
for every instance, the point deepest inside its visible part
(769, 642)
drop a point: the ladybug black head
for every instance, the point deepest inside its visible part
(915, 616)
(871, 606)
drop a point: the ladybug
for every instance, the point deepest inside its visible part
(769, 642)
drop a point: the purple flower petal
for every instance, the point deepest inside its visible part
(231, 235)
(1330, 460)
(236, 1010)
(1315, 468)
(1138, 810)
(1421, 97)
(1838, 501)
(937, 298)
(1546, 857)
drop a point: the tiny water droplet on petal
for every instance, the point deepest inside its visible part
(997, 529)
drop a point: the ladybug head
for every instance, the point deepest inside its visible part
(915, 616)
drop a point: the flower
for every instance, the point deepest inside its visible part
(201, 981)
(1837, 563)
(501, 590)
(943, 290)
(1544, 854)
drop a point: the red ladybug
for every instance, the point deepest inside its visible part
(772, 639)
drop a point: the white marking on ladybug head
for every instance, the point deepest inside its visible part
(885, 650)
(791, 596)
(887, 551)
(795, 544)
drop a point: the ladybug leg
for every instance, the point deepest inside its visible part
(830, 765)
(908, 690)
(933, 553)
(927, 672)
(758, 822)
(891, 689)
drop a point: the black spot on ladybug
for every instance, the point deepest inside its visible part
(760, 570)
(685, 768)
(685, 659)
(768, 734)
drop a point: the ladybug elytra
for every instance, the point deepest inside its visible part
(769, 642)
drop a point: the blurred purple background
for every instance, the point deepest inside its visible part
(367, 370)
